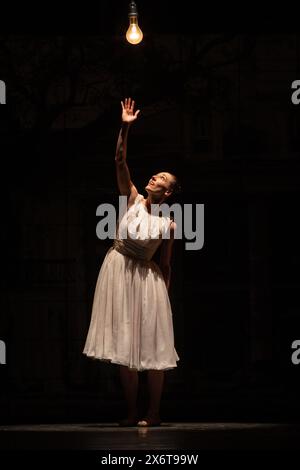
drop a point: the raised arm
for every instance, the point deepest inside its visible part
(126, 186)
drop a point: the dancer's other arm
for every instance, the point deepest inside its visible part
(126, 186)
(166, 254)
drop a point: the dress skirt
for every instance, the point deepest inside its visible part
(131, 322)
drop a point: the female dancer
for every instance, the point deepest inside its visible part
(131, 322)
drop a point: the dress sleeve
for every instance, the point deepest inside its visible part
(138, 198)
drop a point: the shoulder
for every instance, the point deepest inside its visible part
(170, 228)
(134, 198)
(139, 197)
(173, 227)
(169, 223)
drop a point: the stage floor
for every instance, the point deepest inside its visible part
(168, 436)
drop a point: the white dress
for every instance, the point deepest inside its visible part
(131, 322)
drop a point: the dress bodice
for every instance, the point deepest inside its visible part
(144, 231)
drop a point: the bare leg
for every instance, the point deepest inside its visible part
(130, 382)
(155, 386)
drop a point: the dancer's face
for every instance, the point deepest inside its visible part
(160, 185)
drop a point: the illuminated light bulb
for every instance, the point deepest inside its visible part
(134, 34)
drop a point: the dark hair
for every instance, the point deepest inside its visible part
(176, 186)
(176, 192)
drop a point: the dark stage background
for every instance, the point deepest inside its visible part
(216, 109)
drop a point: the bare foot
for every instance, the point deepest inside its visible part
(150, 421)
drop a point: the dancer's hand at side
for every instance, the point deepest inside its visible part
(128, 113)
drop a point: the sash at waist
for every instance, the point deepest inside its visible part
(130, 248)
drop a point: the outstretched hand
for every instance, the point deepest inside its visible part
(128, 114)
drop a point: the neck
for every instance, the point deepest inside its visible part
(153, 200)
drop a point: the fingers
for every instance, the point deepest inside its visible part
(129, 103)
